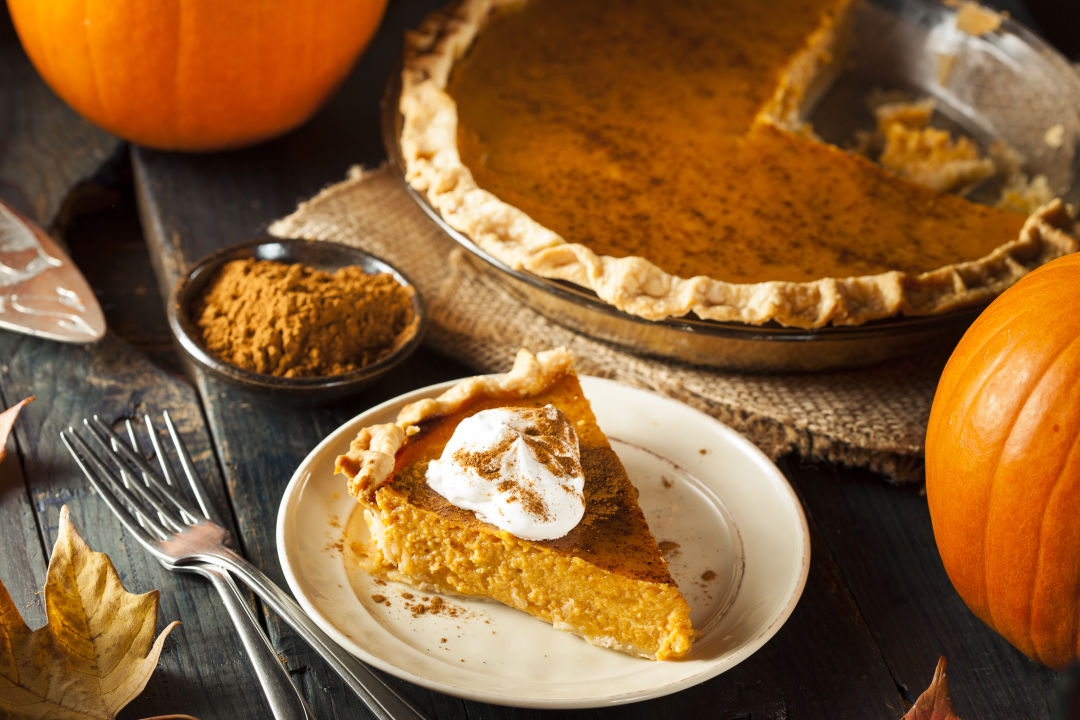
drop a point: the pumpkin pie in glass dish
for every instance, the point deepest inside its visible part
(658, 155)
(504, 487)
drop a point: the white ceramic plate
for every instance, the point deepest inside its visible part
(735, 536)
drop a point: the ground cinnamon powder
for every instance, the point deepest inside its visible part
(291, 320)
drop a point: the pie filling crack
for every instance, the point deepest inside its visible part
(657, 154)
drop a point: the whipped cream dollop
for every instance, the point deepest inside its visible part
(516, 468)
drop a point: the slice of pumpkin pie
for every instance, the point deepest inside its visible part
(504, 487)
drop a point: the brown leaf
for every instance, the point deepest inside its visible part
(934, 703)
(7, 421)
(97, 651)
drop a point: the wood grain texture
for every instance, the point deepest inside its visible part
(882, 539)
(108, 245)
(45, 147)
(200, 667)
(22, 553)
(46, 151)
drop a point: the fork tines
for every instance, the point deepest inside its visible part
(114, 467)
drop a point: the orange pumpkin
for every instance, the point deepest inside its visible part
(1003, 464)
(195, 74)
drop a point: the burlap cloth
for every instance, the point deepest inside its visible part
(872, 417)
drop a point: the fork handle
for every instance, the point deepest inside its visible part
(381, 699)
(284, 699)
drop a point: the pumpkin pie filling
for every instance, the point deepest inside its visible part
(646, 124)
(653, 152)
(605, 579)
(612, 535)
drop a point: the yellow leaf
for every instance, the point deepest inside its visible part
(7, 421)
(97, 651)
(934, 703)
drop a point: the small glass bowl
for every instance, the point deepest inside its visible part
(320, 255)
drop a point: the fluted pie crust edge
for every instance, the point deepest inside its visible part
(635, 285)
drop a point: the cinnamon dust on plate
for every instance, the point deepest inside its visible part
(291, 320)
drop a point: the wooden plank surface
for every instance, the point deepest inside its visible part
(48, 152)
(862, 643)
(45, 149)
(202, 668)
(881, 538)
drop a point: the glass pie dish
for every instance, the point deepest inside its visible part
(1003, 84)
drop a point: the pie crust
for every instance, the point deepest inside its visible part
(635, 285)
(605, 580)
(370, 461)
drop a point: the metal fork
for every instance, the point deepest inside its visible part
(286, 702)
(182, 538)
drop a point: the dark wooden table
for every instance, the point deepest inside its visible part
(877, 611)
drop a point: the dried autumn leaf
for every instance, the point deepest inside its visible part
(934, 703)
(7, 421)
(97, 651)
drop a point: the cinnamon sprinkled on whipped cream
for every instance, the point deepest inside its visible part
(516, 468)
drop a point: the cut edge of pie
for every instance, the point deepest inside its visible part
(634, 284)
(614, 600)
